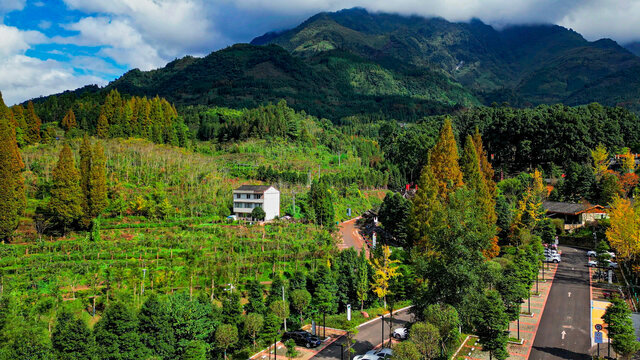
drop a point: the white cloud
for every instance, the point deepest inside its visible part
(15, 41)
(10, 5)
(23, 77)
(44, 24)
(145, 33)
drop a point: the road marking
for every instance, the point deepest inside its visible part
(569, 294)
(563, 334)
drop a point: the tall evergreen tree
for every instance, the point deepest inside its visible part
(85, 174)
(102, 128)
(98, 181)
(69, 121)
(443, 159)
(65, 205)
(33, 124)
(485, 165)
(426, 209)
(12, 188)
(492, 325)
(255, 297)
(117, 335)
(154, 325)
(322, 203)
(71, 338)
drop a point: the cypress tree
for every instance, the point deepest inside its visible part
(102, 129)
(65, 205)
(485, 165)
(69, 121)
(33, 124)
(97, 181)
(444, 162)
(426, 209)
(71, 338)
(85, 174)
(12, 190)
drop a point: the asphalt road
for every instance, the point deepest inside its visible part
(562, 312)
(350, 235)
(368, 337)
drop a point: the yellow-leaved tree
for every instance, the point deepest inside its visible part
(627, 161)
(624, 232)
(527, 214)
(538, 187)
(384, 270)
(443, 159)
(600, 157)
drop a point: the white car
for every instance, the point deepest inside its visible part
(555, 258)
(381, 354)
(591, 253)
(592, 263)
(611, 254)
(400, 333)
(613, 265)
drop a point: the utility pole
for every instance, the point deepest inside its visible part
(285, 319)
(382, 322)
(144, 273)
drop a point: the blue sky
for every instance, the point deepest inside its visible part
(48, 46)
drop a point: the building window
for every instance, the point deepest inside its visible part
(237, 196)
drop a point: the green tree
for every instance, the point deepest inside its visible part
(280, 309)
(195, 350)
(322, 203)
(362, 284)
(65, 205)
(394, 216)
(85, 174)
(255, 297)
(620, 328)
(406, 350)
(117, 334)
(445, 318)
(102, 128)
(98, 181)
(426, 337)
(226, 337)
(258, 213)
(71, 338)
(300, 300)
(426, 211)
(12, 189)
(492, 325)
(232, 308)
(154, 326)
(253, 324)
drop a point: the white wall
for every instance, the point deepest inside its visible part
(271, 203)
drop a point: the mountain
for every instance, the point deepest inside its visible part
(332, 84)
(352, 62)
(525, 65)
(634, 47)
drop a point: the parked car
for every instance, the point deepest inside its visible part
(302, 338)
(554, 258)
(611, 254)
(400, 333)
(592, 263)
(380, 354)
(591, 253)
(613, 265)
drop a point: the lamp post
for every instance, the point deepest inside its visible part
(382, 322)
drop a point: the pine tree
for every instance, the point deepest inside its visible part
(443, 159)
(85, 174)
(155, 328)
(117, 335)
(12, 189)
(21, 124)
(255, 298)
(65, 205)
(98, 181)
(33, 124)
(492, 325)
(102, 129)
(72, 338)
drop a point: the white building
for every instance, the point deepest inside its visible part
(248, 197)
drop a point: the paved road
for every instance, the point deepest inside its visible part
(566, 313)
(350, 235)
(369, 336)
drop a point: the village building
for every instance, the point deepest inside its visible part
(574, 215)
(248, 197)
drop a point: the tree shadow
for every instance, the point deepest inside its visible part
(558, 353)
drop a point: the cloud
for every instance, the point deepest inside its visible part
(23, 77)
(16, 41)
(11, 5)
(145, 33)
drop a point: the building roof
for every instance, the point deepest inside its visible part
(254, 188)
(568, 208)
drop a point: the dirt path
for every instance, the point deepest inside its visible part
(351, 237)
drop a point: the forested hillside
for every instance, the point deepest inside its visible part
(532, 64)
